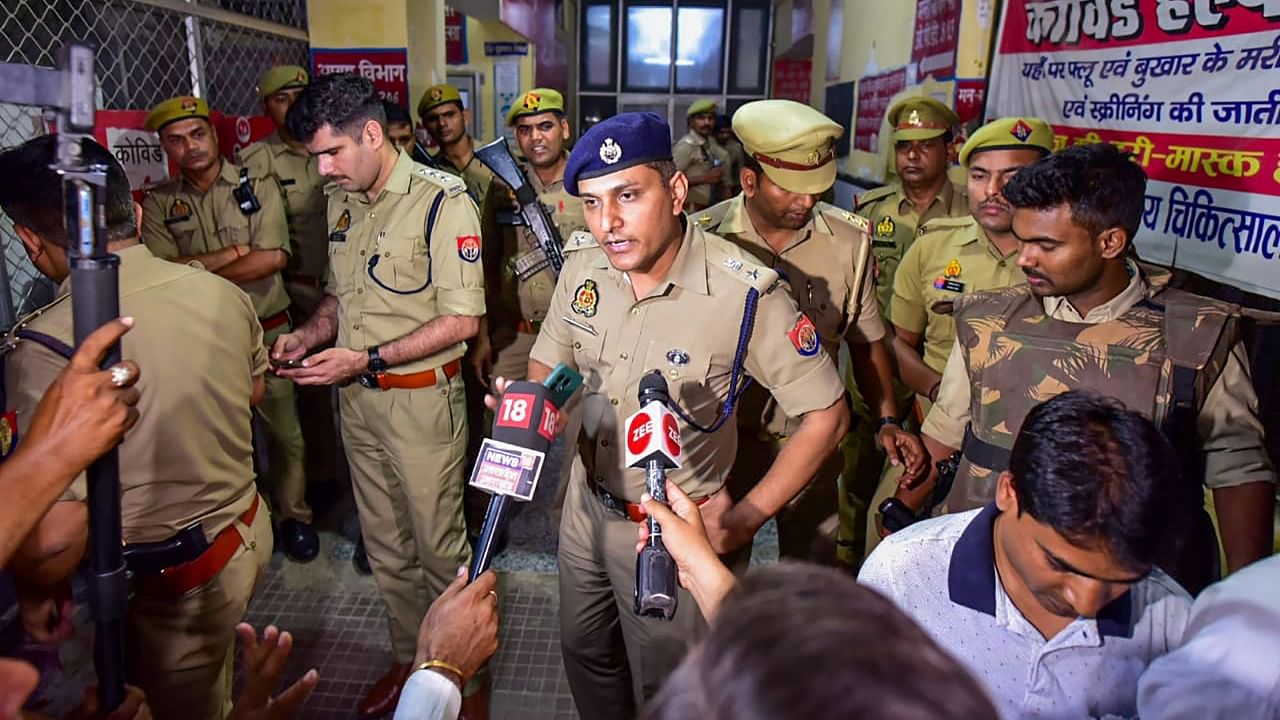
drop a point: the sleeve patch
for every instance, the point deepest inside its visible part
(804, 336)
(469, 247)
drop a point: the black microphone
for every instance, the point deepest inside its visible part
(653, 443)
(510, 462)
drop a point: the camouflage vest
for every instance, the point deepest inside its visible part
(1161, 355)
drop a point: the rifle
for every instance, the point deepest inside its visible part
(497, 157)
(67, 94)
(420, 155)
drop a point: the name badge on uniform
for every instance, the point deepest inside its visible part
(287, 182)
(950, 278)
(340, 229)
(529, 264)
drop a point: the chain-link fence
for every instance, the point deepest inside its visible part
(148, 50)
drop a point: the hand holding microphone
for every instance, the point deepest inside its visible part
(653, 443)
(525, 422)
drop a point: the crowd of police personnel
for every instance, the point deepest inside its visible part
(359, 260)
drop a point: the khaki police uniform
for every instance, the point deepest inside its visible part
(298, 175)
(178, 220)
(826, 265)
(688, 328)
(189, 459)
(821, 268)
(694, 156)
(734, 159)
(895, 224)
(517, 308)
(396, 263)
(475, 174)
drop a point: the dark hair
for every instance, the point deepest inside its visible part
(1101, 184)
(798, 640)
(344, 102)
(395, 114)
(31, 192)
(1099, 474)
(749, 162)
(666, 169)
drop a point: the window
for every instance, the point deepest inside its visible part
(648, 43)
(700, 49)
(662, 55)
(750, 50)
(598, 29)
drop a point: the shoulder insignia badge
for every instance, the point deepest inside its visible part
(804, 336)
(469, 247)
(585, 299)
(340, 228)
(886, 227)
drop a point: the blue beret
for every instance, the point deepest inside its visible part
(617, 143)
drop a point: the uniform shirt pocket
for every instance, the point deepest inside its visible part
(688, 372)
(403, 263)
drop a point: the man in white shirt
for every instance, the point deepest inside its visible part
(1228, 665)
(1052, 595)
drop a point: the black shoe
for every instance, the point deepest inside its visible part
(299, 541)
(360, 559)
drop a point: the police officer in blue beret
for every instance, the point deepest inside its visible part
(649, 290)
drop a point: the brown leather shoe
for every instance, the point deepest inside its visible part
(383, 696)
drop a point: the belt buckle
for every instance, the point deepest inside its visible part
(368, 380)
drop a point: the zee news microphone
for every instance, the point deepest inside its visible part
(511, 460)
(653, 443)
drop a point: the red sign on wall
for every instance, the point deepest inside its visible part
(933, 47)
(387, 68)
(970, 94)
(455, 37)
(791, 79)
(122, 133)
(874, 93)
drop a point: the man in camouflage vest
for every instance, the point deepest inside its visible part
(1090, 317)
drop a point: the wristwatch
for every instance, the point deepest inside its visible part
(376, 366)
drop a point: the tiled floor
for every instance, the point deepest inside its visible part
(343, 634)
(339, 627)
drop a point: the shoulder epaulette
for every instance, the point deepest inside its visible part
(12, 339)
(871, 196)
(711, 218)
(734, 262)
(831, 214)
(579, 240)
(252, 150)
(452, 185)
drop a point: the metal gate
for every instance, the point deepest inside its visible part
(148, 50)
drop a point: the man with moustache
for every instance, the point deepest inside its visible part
(232, 221)
(922, 130)
(1091, 317)
(959, 255)
(699, 157)
(823, 254)
(404, 294)
(660, 294)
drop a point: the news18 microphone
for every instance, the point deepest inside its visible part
(653, 443)
(510, 461)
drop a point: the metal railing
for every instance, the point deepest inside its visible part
(148, 51)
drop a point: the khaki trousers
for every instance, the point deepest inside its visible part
(799, 521)
(407, 452)
(180, 650)
(614, 659)
(286, 476)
